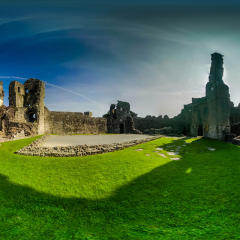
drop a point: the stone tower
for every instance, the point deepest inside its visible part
(218, 101)
(34, 101)
(1, 93)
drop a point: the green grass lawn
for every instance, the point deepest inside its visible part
(122, 195)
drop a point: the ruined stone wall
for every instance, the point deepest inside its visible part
(73, 123)
(180, 122)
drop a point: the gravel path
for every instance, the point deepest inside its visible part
(72, 140)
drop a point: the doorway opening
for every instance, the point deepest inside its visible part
(32, 117)
(121, 128)
(200, 130)
(184, 131)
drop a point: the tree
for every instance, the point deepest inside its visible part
(106, 115)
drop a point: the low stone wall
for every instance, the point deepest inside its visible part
(35, 149)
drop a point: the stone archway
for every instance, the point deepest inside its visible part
(121, 128)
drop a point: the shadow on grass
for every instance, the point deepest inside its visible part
(196, 196)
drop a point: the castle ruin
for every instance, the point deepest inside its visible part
(211, 116)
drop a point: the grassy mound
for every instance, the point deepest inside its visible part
(122, 195)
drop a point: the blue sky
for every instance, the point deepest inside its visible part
(156, 55)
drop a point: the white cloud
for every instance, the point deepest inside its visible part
(79, 94)
(10, 77)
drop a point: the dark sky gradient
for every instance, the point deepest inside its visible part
(153, 54)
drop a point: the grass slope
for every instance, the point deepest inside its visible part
(122, 195)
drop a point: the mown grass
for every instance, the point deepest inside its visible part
(122, 195)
